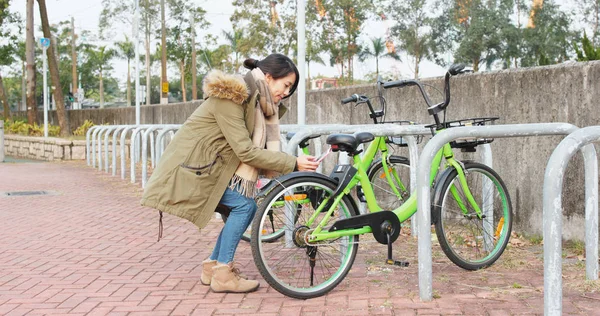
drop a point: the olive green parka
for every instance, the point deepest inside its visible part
(198, 163)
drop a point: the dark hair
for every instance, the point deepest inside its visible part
(278, 66)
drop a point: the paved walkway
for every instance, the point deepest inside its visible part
(88, 248)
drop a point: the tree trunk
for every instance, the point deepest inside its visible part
(73, 62)
(23, 106)
(183, 92)
(31, 73)
(54, 75)
(308, 75)
(377, 66)
(128, 82)
(101, 91)
(4, 99)
(417, 61)
(194, 88)
(476, 65)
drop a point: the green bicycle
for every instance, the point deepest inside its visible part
(471, 210)
(388, 174)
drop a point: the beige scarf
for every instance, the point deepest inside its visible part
(265, 135)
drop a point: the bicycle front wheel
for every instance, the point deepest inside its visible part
(470, 240)
(291, 264)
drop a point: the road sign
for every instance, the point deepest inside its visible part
(165, 87)
(45, 41)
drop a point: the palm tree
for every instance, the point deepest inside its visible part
(235, 39)
(377, 50)
(100, 59)
(127, 51)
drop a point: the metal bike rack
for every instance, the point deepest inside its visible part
(424, 172)
(116, 134)
(112, 129)
(160, 144)
(123, 156)
(150, 131)
(552, 210)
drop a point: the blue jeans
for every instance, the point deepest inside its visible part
(242, 213)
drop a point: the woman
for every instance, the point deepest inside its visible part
(216, 156)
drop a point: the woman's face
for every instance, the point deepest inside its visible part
(280, 88)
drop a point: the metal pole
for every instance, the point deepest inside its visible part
(553, 184)
(45, 91)
(136, 36)
(301, 62)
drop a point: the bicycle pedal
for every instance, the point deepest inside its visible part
(397, 263)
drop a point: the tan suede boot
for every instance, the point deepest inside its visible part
(207, 272)
(226, 278)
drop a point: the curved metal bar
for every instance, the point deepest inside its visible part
(144, 155)
(114, 149)
(123, 156)
(160, 144)
(93, 153)
(111, 129)
(553, 184)
(424, 173)
(88, 136)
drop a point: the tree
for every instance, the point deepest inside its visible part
(180, 44)
(588, 51)
(8, 21)
(313, 49)
(126, 51)
(549, 41)
(54, 74)
(590, 10)
(114, 11)
(98, 60)
(239, 46)
(377, 50)
(348, 17)
(477, 27)
(270, 25)
(30, 58)
(412, 29)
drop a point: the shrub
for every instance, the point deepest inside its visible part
(82, 130)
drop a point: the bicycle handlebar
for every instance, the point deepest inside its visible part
(352, 98)
(433, 108)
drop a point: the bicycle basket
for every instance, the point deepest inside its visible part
(468, 144)
(400, 140)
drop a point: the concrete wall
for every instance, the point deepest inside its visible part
(563, 93)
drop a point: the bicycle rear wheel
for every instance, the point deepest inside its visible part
(469, 241)
(290, 264)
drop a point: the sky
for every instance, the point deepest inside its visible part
(86, 14)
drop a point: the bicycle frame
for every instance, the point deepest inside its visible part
(406, 210)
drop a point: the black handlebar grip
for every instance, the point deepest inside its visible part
(398, 83)
(349, 99)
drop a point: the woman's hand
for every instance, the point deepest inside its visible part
(306, 163)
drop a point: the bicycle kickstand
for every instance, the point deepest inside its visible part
(391, 261)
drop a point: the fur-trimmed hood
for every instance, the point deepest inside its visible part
(225, 86)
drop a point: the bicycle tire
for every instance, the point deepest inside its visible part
(490, 237)
(385, 196)
(285, 262)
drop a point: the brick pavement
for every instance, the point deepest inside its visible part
(90, 249)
